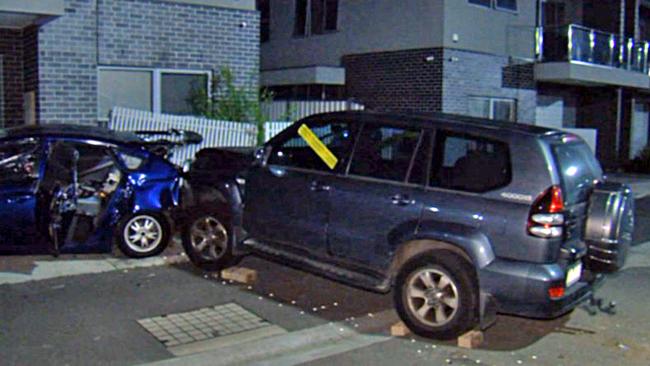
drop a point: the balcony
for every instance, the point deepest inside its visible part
(578, 55)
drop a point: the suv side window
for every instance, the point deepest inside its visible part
(385, 152)
(469, 163)
(293, 150)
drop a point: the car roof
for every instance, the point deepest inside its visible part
(444, 119)
(69, 130)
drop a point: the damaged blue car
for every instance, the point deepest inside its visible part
(83, 189)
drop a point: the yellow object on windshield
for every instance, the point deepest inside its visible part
(318, 146)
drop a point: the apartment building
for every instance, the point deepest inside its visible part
(72, 61)
(562, 63)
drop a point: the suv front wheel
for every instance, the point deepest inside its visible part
(436, 295)
(207, 239)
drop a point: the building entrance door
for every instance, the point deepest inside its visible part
(639, 130)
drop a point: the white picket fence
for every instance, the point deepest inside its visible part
(273, 128)
(222, 133)
(215, 133)
(295, 110)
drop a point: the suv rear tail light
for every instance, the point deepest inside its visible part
(546, 219)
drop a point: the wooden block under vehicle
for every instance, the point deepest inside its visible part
(240, 274)
(399, 330)
(471, 339)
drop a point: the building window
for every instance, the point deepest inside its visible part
(509, 5)
(124, 88)
(264, 7)
(300, 22)
(176, 89)
(506, 4)
(155, 90)
(315, 17)
(493, 108)
(486, 3)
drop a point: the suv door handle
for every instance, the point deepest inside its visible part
(316, 186)
(402, 200)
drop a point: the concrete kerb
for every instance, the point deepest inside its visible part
(48, 269)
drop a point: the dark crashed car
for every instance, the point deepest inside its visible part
(460, 217)
(82, 189)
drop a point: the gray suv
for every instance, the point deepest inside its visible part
(460, 217)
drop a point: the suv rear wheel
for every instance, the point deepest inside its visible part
(436, 295)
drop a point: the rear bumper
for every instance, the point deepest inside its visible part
(526, 292)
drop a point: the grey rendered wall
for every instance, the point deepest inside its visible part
(43, 7)
(367, 26)
(467, 74)
(364, 26)
(136, 33)
(489, 30)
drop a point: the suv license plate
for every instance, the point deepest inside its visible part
(573, 273)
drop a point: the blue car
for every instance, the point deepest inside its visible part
(83, 189)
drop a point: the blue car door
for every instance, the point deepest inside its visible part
(20, 171)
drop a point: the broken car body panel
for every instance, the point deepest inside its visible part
(79, 181)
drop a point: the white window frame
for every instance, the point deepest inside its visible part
(492, 100)
(156, 77)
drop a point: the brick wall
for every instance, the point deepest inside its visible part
(469, 74)
(136, 33)
(11, 49)
(403, 81)
(179, 36)
(429, 80)
(67, 65)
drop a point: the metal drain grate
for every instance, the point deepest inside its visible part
(202, 324)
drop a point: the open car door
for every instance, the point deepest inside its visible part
(20, 163)
(79, 187)
(57, 193)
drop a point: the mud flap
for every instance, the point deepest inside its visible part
(487, 311)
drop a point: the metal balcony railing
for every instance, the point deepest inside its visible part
(580, 44)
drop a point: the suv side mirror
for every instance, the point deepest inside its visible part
(260, 155)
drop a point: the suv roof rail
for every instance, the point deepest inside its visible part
(451, 119)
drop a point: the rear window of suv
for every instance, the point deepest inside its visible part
(578, 168)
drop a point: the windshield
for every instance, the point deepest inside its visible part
(578, 169)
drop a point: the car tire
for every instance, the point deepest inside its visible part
(208, 240)
(436, 295)
(143, 234)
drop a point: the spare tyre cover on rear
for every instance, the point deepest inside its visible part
(609, 226)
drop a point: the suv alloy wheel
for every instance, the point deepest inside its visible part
(436, 295)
